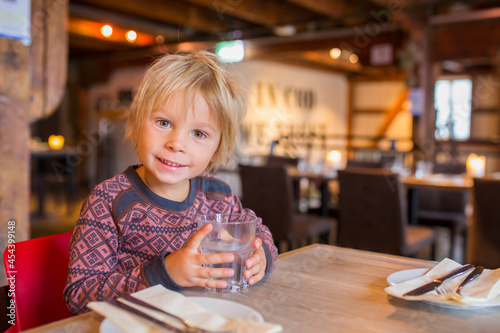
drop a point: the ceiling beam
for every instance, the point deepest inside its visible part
(125, 21)
(331, 8)
(265, 12)
(174, 12)
(469, 40)
(469, 16)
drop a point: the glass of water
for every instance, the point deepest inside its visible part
(231, 233)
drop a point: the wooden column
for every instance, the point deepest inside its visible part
(14, 134)
(350, 116)
(32, 82)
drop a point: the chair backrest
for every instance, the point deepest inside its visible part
(444, 201)
(364, 164)
(484, 234)
(449, 168)
(279, 161)
(372, 211)
(268, 191)
(41, 267)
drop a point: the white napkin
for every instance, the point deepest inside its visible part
(483, 289)
(177, 304)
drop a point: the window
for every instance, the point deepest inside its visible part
(452, 101)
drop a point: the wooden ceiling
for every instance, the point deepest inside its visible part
(292, 31)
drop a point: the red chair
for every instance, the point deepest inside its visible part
(42, 266)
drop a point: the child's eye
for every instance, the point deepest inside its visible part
(199, 134)
(163, 123)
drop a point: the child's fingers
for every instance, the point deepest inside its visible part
(256, 266)
(210, 283)
(257, 243)
(194, 242)
(211, 277)
(216, 258)
(256, 278)
(258, 256)
(256, 272)
(215, 273)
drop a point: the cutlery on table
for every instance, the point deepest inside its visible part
(437, 282)
(135, 300)
(472, 276)
(187, 328)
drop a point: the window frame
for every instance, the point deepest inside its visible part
(451, 78)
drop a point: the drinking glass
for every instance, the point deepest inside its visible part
(231, 233)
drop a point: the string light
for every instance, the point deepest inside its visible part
(335, 53)
(106, 30)
(353, 58)
(131, 36)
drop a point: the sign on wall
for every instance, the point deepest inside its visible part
(297, 107)
(15, 20)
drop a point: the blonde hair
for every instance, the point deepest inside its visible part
(190, 73)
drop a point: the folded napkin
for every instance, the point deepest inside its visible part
(177, 304)
(483, 289)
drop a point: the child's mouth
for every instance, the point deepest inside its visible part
(169, 163)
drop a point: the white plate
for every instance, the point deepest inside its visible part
(408, 274)
(405, 275)
(219, 306)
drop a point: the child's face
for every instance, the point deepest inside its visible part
(175, 144)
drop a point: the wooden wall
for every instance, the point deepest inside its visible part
(32, 82)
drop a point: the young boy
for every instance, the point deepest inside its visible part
(139, 228)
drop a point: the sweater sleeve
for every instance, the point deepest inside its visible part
(94, 270)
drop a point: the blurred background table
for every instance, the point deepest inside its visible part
(49, 167)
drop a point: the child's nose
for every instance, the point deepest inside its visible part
(175, 142)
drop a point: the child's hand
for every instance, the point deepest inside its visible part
(185, 265)
(256, 264)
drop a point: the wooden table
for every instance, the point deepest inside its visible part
(321, 178)
(60, 166)
(441, 182)
(323, 288)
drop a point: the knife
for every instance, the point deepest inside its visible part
(431, 285)
(472, 276)
(145, 315)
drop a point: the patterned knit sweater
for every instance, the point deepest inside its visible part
(125, 231)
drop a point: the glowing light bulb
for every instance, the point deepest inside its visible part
(56, 142)
(476, 165)
(333, 161)
(353, 58)
(106, 30)
(334, 156)
(131, 36)
(335, 53)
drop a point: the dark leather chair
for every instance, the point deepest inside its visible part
(484, 235)
(286, 161)
(278, 161)
(445, 209)
(364, 164)
(268, 192)
(373, 214)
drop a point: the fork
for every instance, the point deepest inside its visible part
(444, 289)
